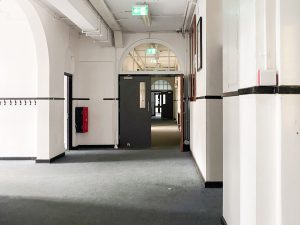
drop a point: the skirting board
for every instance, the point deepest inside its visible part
(92, 147)
(50, 160)
(208, 184)
(17, 158)
(186, 148)
(223, 221)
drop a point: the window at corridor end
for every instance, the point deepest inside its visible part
(151, 57)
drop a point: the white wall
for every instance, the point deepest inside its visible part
(96, 77)
(206, 114)
(268, 124)
(290, 180)
(287, 60)
(34, 67)
(231, 161)
(18, 78)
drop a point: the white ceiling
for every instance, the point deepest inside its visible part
(166, 15)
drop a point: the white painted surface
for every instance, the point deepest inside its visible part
(214, 142)
(231, 162)
(290, 156)
(206, 115)
(166, 15)
(18, 78)
(247, 159)
(268, 160)
(247, 44)
(201, 78)
(96, 81)
(289, 48)
(214, 53)
(198, 136)
(231, 11)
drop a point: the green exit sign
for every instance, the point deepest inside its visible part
(151, 51)
(140, 10)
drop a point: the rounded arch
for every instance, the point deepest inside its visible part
(41, 45)
(146, 41)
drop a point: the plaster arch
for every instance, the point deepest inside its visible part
(42, 52)
(146, 41)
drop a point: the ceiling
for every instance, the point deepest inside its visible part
(166, 15)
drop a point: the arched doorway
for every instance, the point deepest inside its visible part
(157, 68)
(24, 75)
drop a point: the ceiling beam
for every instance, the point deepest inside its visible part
(111, 21)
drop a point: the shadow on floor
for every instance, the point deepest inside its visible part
(26, 211)
(120, 155)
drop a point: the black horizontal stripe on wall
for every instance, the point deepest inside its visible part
(258, 90)
(289, 89)
(81, 99)
(264, 90)
(111, 99)
(230, 94)
(37, 99)
(210, 97)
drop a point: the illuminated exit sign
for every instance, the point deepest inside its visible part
(140, 10)
(151, 51)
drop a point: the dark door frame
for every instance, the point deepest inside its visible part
(69, 110)
(182, 101)
(119, 97)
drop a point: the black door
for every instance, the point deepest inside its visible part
(69, 110)
(167, 105)
(135, 113)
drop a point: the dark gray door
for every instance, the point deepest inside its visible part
(167, 105)
(135, 111)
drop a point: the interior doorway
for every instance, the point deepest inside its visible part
(68, 112)
(165, 107)
(151, 111)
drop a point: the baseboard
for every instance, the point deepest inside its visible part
(208, 184)
(17, 158)
(50, 160)
(223, 221)
(92, 147)
(186, 148)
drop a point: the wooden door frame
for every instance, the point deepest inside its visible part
(182, 113)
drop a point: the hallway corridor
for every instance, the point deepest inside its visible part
(165, 134)
(108, 187)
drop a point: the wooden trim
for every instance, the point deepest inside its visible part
(182, 113)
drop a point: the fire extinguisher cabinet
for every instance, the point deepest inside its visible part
(81, 119)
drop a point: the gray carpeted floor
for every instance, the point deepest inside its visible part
(109, 187)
